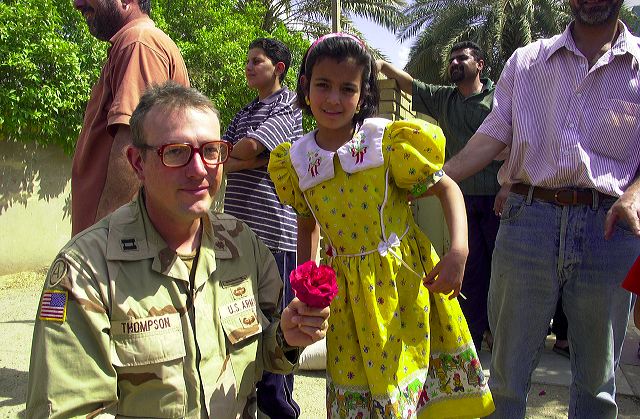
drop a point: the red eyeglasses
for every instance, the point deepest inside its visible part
(178, 155)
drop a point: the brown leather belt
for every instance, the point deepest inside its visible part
(561, 196)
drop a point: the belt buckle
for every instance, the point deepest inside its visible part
(574, 197)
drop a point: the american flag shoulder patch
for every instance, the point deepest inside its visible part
(53, 305)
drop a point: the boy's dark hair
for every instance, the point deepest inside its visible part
(145, 6)
(276, 51)
(170, 96)
(476, 51)
(341, 48)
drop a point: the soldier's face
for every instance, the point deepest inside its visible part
(103, 17)
(179, 194)
(595, 12)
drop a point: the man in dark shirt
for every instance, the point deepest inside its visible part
(459, 110)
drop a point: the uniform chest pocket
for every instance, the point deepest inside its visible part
(148, 355)
(239, 312)
(614, 129)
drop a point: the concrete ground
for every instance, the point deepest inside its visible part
(549, 395)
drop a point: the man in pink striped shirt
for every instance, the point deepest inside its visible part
(569, 108)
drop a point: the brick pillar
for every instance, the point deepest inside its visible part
(396, 105)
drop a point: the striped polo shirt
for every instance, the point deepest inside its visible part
(251, 195)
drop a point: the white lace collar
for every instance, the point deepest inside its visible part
(314, 165)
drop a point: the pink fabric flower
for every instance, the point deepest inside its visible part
(314, 285)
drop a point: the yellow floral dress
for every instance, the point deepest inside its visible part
(394, 350)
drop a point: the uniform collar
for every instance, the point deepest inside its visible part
(132, 237)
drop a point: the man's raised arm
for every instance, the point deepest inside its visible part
(404, 79)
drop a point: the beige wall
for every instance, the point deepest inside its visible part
(35, 203)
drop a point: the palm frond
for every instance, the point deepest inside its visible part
(498, 26)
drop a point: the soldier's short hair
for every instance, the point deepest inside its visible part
(170, 96)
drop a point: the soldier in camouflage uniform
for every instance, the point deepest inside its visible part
(165, 309)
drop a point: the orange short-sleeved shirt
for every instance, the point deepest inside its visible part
(140, 55)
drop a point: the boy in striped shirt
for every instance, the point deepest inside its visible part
(270, 119)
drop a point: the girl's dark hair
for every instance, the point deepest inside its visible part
(341, 48)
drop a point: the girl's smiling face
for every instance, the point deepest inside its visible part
(334, 94)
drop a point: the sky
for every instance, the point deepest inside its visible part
(398, 53)
(385, 41)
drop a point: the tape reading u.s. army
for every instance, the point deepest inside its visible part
(146, 325)
(238, 306)
(240, 319)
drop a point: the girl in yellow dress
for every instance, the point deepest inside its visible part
(398, 345)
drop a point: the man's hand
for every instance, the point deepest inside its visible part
(625, 209)
(303, 325)
(501, 198)
(449, 272)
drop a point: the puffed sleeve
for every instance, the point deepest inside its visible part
(285, 179)
(416, 154)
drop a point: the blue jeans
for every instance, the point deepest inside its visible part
(544, 251)
(275, 391)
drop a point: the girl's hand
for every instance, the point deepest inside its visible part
(446, 276)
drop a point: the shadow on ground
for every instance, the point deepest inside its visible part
(13, 392)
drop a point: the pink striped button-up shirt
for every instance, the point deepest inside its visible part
(568, 124)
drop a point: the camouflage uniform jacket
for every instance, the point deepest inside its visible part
(120, 332)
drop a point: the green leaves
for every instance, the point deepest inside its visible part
(49, 61)
(498, 26)
(214, 39)
(313, 17)
(47, 67)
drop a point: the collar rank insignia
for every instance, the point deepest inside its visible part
(128, 245)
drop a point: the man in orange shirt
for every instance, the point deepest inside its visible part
(140, 54)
